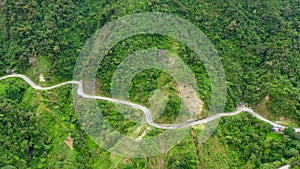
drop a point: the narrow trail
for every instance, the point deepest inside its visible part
(142, 108)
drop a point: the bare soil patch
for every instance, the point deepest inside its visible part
(69, 141)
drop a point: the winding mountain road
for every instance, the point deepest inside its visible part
(142, 108)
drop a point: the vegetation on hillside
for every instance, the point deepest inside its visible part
(258, 43)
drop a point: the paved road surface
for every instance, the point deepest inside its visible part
(142, 108)
(284, 167)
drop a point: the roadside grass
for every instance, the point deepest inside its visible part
(99, 157)
(184, 149)
(273, 137)
(53, 119)
(60, 155)
(31, 97)
(117, 160)
(43, 66)
(262, 109)
(213, 154)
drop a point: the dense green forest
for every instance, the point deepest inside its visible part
(257, 41)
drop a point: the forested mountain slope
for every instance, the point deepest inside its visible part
(258, 42)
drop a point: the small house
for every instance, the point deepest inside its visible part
(277, 129)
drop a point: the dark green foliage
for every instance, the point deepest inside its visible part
(23, 138)
(15, 90)
(258, 42)
(255, 142)
(254, 39)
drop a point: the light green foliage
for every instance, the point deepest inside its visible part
(258, 42)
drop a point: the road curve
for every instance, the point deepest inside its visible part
(285, 167)
(142, 108)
